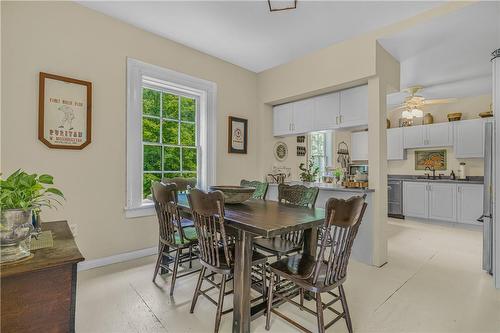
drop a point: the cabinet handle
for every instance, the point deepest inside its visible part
(340, 119)
(337, 120)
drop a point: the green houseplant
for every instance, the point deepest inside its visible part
(21, 196)
(308, 173)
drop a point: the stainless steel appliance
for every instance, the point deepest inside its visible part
(395, 198)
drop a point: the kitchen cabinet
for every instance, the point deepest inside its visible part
(434, 135)
(442, 201)
(303, 116)
(353, 107)
(326, 111)
(359, 146)
(413, 137)
(469, 203)
(282, 119)
(469, 138)
(395, 146)
(415, 199)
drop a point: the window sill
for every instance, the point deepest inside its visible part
(146, 209)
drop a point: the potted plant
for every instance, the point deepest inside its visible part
(309, 173)
(21, 196)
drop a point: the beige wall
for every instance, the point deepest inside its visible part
(67, 39)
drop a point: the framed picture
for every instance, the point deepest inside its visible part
(237, 135)
(64, 112)
(430, 158)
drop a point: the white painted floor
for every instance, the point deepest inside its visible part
(433, 282)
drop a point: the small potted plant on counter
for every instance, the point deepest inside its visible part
(22, 197)
(310, 173)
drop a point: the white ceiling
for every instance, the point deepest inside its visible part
(450, 55)
(245, 33)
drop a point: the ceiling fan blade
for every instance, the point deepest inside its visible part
(439, 101)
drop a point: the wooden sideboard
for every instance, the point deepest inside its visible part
(38, 294)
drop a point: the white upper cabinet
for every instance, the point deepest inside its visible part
(470, 203)
(326, 111)
(442, 201)
(354, 107)
(469, 138)
(359, 146)
(438, 135)
(282, 119)
(395, 148)
(303, 116)
(413, 136)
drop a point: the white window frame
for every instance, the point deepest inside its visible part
(205, 91)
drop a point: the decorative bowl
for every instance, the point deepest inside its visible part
(234, 194)
(486, 114)
(454, 116)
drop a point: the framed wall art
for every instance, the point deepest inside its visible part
(430, 158)
(237, 135)
(64, 112)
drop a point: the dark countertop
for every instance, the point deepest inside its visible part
(444, 179)
(329, 187)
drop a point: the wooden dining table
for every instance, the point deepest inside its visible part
(255, 218)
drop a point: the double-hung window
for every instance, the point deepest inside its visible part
(320, 150)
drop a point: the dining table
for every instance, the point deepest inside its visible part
(260, 218)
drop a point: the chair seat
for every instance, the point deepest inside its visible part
(190, 236)
(277, 245)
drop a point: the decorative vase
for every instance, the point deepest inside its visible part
(15, 234)
(388, 123)
(428, 119)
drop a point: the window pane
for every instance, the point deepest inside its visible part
(172, 160)
(150, 102)
(188, 109)
(170, 132)
(147, 179)
(189, 159)
(150, 129)
(152, 158)
(170, 106)
(188, 134)
(172, 175)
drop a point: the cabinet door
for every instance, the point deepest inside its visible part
(359, 146)
(354, 107)
(282, 119)
(439, 135)
(303, 116)
(326, 111)
(469, 138)
(442, 201)
(469, 203)
(395, 149)
(415, 199)
(413, 136)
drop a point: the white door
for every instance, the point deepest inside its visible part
(303, 116)
(415, 199)
(442, 201)
(395, 149)
(439, 135)
(354, 107)
(326, 111)
(359, 146)
(469, 138)
(413, 136)
(469, 203)
(282, 119)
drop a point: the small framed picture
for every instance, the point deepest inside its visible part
(237, 135)
(64, 112)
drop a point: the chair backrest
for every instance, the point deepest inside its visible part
(208, 217)
(182, 183)
(165, 200)
(260, 188)
(342, 221)
(298, 195)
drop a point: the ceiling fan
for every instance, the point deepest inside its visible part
(413, 103)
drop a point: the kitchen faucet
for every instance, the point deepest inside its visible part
(433, 172)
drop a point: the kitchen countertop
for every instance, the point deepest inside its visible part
(328, 187)
(445, 179)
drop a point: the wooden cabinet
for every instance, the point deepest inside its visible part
(469, 203)
(326, 111)
(415, 199)
(469, 138)
(282, 119)
(354, 107)
(359, 146)
(442, 201)
(395, 146)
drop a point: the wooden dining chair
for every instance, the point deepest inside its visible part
(173, 236)
(216, 249)
(324, 273)
(183, 185)
(298, 195)
(260, 188)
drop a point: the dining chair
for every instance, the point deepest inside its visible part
(298, 195)
(173, 236)
(323, 273)
(216, 249)
(183, 185)
(260, 188)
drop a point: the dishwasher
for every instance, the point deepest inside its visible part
(395, 198)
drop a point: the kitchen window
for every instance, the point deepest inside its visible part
(320, 150)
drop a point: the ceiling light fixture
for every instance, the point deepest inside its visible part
(413, 113)
(279, 5)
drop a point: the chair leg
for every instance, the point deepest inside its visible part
(347, 316)
(301, 291)
(197, 289)
(174, 273)
(220, 303)
(158, 261)
(319, 313)
(190, 257)
(269, 301)
(264, 291)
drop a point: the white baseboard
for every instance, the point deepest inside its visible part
(89, 264)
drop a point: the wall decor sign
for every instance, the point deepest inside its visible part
(301, 151)
(301, 139)
(237, 135)
(280, 151)
(64, 112)
(430, 158)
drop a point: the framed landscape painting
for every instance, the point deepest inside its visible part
(430, 158)
(64, 112)
(237, 135)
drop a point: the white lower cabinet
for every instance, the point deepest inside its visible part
(415, 199)
(469, 203)
(442, 201)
